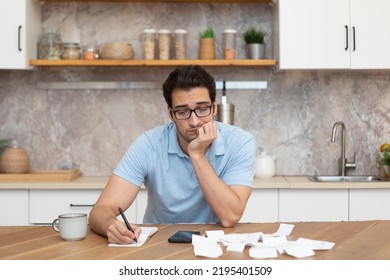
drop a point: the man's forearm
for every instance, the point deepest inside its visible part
(100, 218)
(225, 202)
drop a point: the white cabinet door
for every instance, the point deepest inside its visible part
(20, 26)
(262, 206)
(46, 205)
(13, 207)
(307, 205)
(369, 204)
(332, 34)
(371, 22)
(311, 34)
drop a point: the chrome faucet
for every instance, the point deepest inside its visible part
(343, 162)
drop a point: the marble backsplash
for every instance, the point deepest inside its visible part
(291, 119)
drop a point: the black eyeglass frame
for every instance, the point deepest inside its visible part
(193, 111)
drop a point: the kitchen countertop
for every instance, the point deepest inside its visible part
(278, 182)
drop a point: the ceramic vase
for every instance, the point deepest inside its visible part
(207, 48)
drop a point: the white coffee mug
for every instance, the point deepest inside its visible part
(72, 226)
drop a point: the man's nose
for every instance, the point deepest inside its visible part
(194, 119)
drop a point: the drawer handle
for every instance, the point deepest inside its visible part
(81, 205)
(19, 29)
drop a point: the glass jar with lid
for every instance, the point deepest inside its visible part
(180, 43)
(91, 53)
(164, 43)
(71, 51)
(50, 46)
(149, 43)
(229, 44)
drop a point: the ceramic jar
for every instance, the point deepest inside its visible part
(265, 166)
(15, 159)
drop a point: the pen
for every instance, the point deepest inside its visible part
(126, 222)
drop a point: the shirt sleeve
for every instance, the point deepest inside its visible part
(133, 165)
(240, 168)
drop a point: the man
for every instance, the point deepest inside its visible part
(195, 170)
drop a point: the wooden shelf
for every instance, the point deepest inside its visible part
(168, 1)
(158, 63)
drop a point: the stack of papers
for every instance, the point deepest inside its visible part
(146, 233)
(261, 245)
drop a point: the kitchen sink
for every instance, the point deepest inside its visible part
(356, 178)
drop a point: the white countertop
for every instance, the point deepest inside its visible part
(278, 182)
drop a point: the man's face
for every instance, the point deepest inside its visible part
(182, 102)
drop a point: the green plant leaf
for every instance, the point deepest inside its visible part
(207, 33)
(253, 36)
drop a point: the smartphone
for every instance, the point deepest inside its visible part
(183, 236)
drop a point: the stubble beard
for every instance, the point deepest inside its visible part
(187, 137)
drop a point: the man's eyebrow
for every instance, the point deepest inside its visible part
(186, 105)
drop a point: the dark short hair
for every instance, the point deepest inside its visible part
(188, 77)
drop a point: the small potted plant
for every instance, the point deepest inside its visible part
(255, 43)
(207, 44)
(384, 159)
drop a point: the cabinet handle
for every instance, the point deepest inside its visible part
(19, 29)
(354, 38)
(81, 205)
(346, 36)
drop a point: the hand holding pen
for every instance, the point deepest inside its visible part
(126, 222)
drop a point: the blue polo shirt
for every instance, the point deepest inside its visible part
(156, 160)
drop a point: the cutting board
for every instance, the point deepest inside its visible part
(42, 176)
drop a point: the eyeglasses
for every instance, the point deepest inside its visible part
(199, 112)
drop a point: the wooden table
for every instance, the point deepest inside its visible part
(366, 240)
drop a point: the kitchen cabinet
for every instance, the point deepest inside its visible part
(13, 207)
(331, 34)
(45, 205)
(313, 205)
(262, 206)
(20, 26)
(369, 204)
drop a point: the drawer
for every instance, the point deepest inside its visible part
(13, 207)
(46, 205)
(313, 205)
(262, 207)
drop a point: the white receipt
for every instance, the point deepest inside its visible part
(236, 247)
(146, 233)
(283, 230)
(299, 251)
(263, 252)
(315, 244)
(261, 245)
(208, 250)
(206, 247)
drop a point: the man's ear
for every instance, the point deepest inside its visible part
(215, 108)
(170, 113)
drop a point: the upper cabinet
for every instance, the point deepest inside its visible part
(20, 26)
(332, 34)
